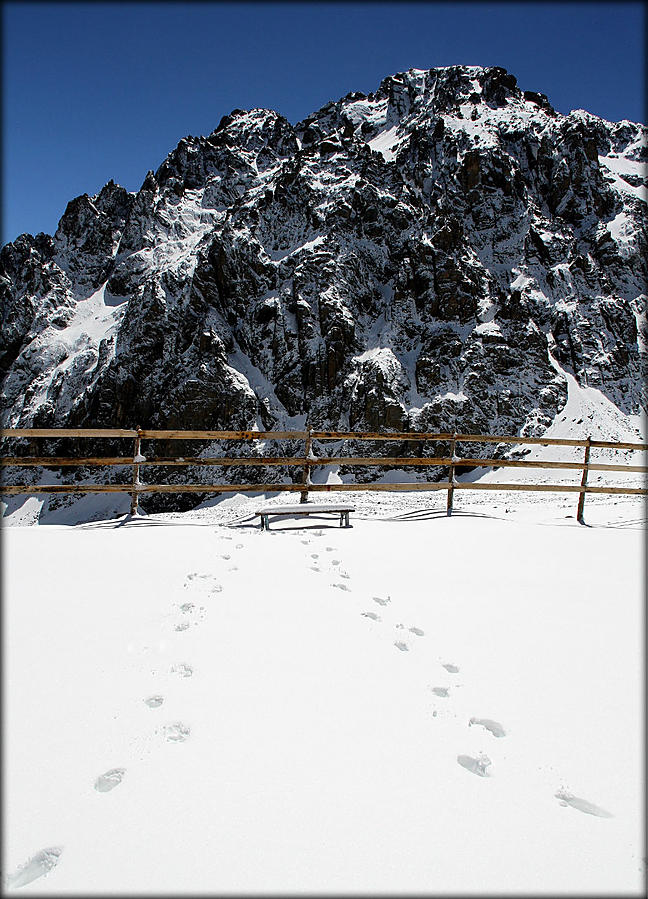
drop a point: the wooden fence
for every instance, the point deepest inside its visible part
(309, 461)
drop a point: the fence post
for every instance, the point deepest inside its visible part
(136, 480)
(581, 497)
(303, 497)
(451, 474)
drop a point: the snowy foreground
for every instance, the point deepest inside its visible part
(416, 704)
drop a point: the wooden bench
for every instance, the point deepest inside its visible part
(305, 509)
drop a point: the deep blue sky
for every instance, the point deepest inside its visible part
(93, 91)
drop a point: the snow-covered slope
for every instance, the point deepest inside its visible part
(194, 707)
(416, 258)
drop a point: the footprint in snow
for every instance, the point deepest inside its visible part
(417, 631)
(583, 805)
(315, 568)
(493, 726)
(239, 546)
(226, 557)
(189, 612)
(182, 670)
(335, 561)
(154, 702)
(373, 615)
(342, 587)
(402, 646)
(195, 576)
(344, 574)
(440, 691)
(109, 780)
(329, 549)
(37, 866)
(477, 765)
(305, 542)
(314, 555)
(453, 669)
(176, 733)
(381, 601)
(203, 580)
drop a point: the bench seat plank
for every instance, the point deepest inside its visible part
(305, 509)
(343, 509)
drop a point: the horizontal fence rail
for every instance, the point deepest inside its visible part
(145, 434)
(309, 461)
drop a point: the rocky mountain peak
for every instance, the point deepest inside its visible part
(444, 252)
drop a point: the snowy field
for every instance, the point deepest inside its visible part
(416, 704)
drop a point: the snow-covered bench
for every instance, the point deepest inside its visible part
(305, 509)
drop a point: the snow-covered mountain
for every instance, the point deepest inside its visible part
(439, 254)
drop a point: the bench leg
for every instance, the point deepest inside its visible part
(265, 524)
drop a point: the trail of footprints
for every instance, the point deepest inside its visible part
(480, 764)
(44, 861)
(339, 572)
(190, 615)
(187, 614)
(476, 765)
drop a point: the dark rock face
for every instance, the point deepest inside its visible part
(411, 259)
